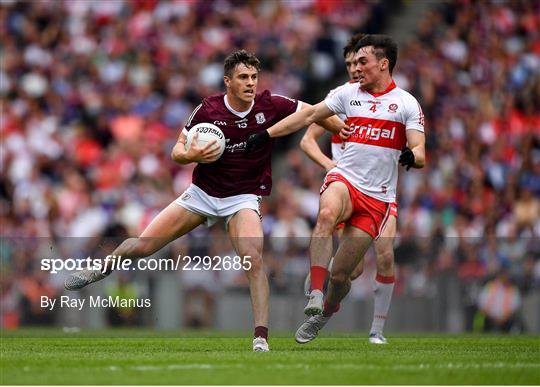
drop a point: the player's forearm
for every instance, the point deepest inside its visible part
(332, 124)
(180, 155)
(419, 152)
(292, 123)
(313, 151)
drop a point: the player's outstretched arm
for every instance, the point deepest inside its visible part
(414, 154)
(311, 148)
(195, 154)
(305, 117)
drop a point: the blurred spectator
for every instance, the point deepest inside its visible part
(500, 301)
(125, 291)
(471, 272)
(94, 93)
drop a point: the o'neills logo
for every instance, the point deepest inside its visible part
(368, 132)
(214, 131)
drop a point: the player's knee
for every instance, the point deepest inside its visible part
(255, 263)
(385, 261)
(327, 219)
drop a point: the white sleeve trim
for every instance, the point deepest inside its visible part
(412, 127)
(193, 114)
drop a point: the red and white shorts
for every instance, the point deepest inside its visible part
(368, 214)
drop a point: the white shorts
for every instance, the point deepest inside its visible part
(196, 200)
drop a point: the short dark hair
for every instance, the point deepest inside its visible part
(238, 57)
(351, 43)
(384, 47)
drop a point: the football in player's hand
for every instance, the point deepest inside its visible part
(206, 133)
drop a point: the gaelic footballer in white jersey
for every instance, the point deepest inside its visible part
(378, 124)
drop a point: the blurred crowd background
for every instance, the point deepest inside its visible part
(94, 93)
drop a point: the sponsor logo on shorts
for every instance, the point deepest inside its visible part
(185, 196)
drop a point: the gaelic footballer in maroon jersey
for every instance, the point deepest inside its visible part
(226, 187)
(237, 172)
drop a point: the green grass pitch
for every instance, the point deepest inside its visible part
(152, 357)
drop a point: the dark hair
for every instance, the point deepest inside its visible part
(383, 45)
(351, 44)
(238, 57)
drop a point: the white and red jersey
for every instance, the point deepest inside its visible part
(337, 144)
(378, 122)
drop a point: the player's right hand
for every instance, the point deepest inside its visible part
(208, 153)
(345, 133)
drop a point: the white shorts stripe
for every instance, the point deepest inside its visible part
(384, 221)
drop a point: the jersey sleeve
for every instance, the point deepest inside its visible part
(197, 116)
(414, 118)
(334, 100)
(285, 105)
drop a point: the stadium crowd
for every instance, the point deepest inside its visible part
(94, 94)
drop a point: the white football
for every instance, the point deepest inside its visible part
(207, 133)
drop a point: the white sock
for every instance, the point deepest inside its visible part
(382, 288)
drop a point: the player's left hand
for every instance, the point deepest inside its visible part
(257, 140)
(406, 158)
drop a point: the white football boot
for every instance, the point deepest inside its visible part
(80, 279)
(310, 328)
(315, 303)
(377, 338)
(260, 345)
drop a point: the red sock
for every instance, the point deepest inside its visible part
(261, 331)
(318, 276)
(385, 280)
(329, 310)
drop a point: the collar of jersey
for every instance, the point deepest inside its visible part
(239, 114)
(390, 87)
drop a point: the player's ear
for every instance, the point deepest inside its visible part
(383, 64)
(227, 81)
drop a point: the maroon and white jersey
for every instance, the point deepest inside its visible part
(236, 172)
(378, 122)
